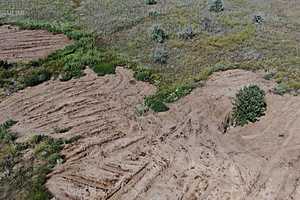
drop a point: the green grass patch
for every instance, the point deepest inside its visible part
(234, 38)
(157, 102)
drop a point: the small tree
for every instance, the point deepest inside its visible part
(216, 5)
(249, 104)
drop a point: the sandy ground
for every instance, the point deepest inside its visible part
(26, 45)
(181, 154)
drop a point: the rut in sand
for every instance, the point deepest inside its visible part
(181, 154)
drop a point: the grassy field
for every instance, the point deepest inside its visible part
(218, 41)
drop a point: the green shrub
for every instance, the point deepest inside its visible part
(216, 5)
(160, 56)
(104, 68)
(47, 147)
(36, 76)
(71, 70)
(249, 104)
(157, 101)
(6, 135)
(150, 2)
(156, 105)
(146, 75)
(36, 139)
(5, 64)
(186, 33)
(158, 34)
(269, 75)
(281, 89)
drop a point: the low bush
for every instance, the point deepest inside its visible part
(156, 105)
(258, 19)
(36, 76)
(158, 34)
(5, 65)
(102, 69)
(281, 89)
(150, 2)
(146, 75)
(216, 5)
(157, 101)
(160, 56)
(249, 104)
(186, 33)
(6, 135)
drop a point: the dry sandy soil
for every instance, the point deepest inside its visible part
(25, 45)
(181, 154)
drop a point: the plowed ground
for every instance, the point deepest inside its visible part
(181, 154)
(26, 45)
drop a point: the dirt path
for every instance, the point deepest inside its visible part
(181, 154)
(26, 45)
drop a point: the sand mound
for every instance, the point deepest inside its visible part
(181, 154)
(26, 45)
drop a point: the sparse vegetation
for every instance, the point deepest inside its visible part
(23, 178)
(249, 105)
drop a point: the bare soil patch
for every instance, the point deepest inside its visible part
(180, 154)
(26, 45)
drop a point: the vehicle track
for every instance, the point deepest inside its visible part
(180, 154)
(26, 45)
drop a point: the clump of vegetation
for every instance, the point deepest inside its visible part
(249, 105)
(156, 105)
(269, 75)
(154, 13)
(146, 75)
(25, 177)
(160, 55)
(158, 34)
(5, 134)
(281, 89)
(36, 76)
(216, 5)
(258, 19)
(150, 2)
(187, 33)
(104, 68)
(5, 65)
(157, 101)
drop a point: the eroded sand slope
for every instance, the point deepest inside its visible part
(181, 154)
(26, 45)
